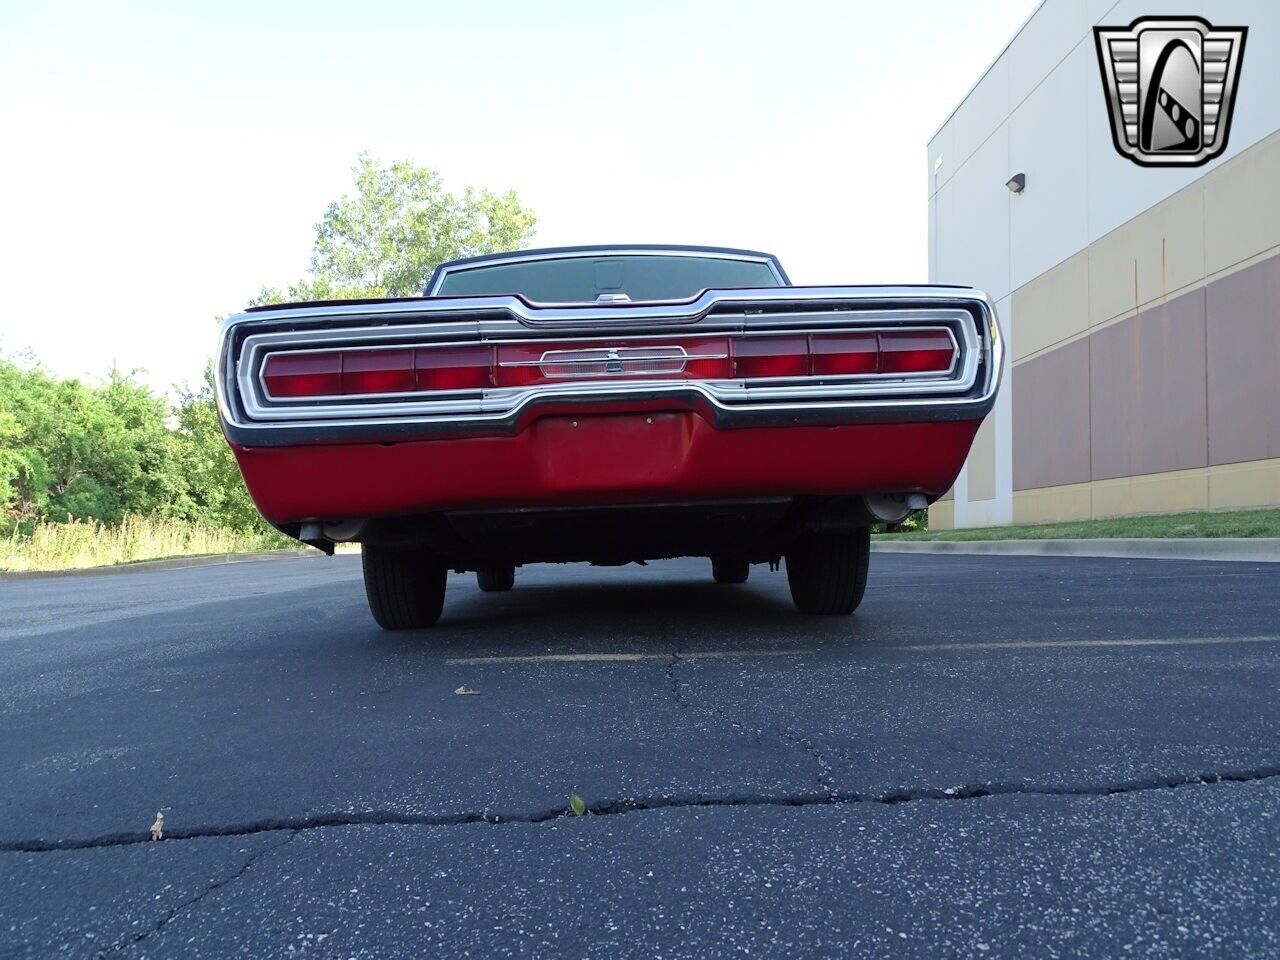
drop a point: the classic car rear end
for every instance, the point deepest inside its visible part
(606, 405)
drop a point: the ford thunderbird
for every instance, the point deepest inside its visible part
(607, 405)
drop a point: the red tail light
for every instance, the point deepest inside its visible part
(845, 354)
(454, 368)
(377, 371)
(916, 351)
(303, 374)
(480, 366)
(762, 357)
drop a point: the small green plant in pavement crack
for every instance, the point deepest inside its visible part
(577, 805)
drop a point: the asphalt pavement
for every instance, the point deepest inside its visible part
(995, 757)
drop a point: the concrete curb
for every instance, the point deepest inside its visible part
(1245, 549)
(172, 563)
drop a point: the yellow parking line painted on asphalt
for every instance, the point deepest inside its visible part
(870, 647)
(1119, 642)
(620, 657)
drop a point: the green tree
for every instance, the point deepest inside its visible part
(216, 495)
(26, 412)
(73, 450)
(384, 238)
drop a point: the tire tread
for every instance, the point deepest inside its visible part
(730, 570)
(405, 588)
(827, 571)
(496, 579)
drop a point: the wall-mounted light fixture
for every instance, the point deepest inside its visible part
(1017, 183)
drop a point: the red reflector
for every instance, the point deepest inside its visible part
(762, 357)
(916, 351)
(377, 371)
(845, 354)
(454, 368)
(303, 374)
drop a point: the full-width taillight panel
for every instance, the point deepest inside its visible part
(474, 367)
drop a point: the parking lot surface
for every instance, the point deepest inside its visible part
(996, 756)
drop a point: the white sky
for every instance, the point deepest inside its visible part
(159, 164)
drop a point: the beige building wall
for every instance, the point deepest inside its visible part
(1146, 374)
(1141, 306)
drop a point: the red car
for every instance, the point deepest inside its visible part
(607, 405)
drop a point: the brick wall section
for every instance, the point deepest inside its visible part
(1244, 364)
(1188, 383)
(1051, 418)
(1147, 407)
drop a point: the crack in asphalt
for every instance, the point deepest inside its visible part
(605, 808)
(135, 939)
(676, 684)
(822, 773)
(677, 692)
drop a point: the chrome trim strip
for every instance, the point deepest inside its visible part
(261, 407)
(568, 316)
(501, 318)
(548, 360)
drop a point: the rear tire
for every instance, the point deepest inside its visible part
(495, 579)
(827, 571)
(730, 570)
(405, 587)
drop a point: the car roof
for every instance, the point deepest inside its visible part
(618, 249)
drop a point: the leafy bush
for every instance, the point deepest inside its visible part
(76, 451)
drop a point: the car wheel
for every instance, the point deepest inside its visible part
(827, 571)
(493, 579)
(730, 570)
(405, 587)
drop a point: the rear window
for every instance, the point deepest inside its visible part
(579, 279)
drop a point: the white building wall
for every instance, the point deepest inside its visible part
(1039, 110)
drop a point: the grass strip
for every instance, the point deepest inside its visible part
(1235, 523)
